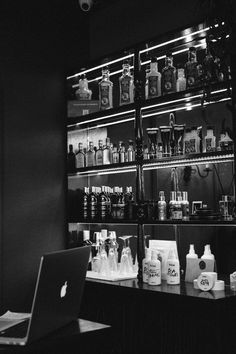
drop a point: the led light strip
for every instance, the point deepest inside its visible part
(103, 172)
(100, 66)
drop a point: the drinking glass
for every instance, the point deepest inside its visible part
(126, 262)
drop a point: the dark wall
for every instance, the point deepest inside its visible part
(34, 42)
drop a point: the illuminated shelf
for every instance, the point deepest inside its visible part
(199, 222)
(103, 222)
(105, 169)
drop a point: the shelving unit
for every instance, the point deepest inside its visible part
(141, 110)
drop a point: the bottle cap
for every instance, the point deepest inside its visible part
(86, 235)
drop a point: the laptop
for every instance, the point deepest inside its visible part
(57, 297)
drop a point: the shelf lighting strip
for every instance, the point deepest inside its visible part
(105, 171)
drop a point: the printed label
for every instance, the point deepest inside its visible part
(152, 86)
(104, 89)
(125, 90)
(209, 146)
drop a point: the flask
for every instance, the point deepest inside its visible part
(99, 154)
(154, 269)
(153, 80)
(83, 92)
(168, 79)
(90, 155)
(191, 69)
(71, 159)
(80, 157)
(173, 269)
(105, 90)
(161, 206)
(181, 80)
(145, 265)
(126, 83)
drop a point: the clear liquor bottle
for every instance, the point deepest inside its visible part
(192, 69)
(99, 154)
(107, 152)
(71, 159)
(90, 155)
(185, 206)
(121, 151)
(86, 203)
(209, 66)
(168, 78)
(83, 92)
(181, 80)
(161, 206)
(131, 151)
(126, 83)
(105, 90)
(80, 157)
(102, 204)
(115, 155)
(93, 204)
(153, 80)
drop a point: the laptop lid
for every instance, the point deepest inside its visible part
(58, 291)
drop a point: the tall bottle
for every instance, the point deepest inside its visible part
(126, 83)
(161, 206)
(93, 204)
(90, 155)
(115, 154)
(107, 152)
(87, 242)
(83, 92)
(192, 69)
(105, 90)
(209, 67)
(130, 152)
(71, 159)
(153, 80)
(185, 206)
(154, 270)
(80, 157)
(171, 205)
(181, 80)
(85, 202)
(102, 204)
(99, 154)
(173, 268)
(121, 151)
(168, 79)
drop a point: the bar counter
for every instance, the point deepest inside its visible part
(164, 319)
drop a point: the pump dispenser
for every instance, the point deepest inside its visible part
(173, 268)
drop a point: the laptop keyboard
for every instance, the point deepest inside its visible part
(17, 331)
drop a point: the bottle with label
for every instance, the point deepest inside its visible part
(83, 92)
(107, 152)
(192, 271)
(130, 152)
(90, 155)
(115, 154)
(153, 80)
(102, 204)
(145, 265)
(80, 157)
(168, 79)
(126, 83)
(154, 269)
(173, 268)
(192, 69)
(209, 67)
(171, 205)
(225, 206)
(161, 206)
(93, 203)
(99, 154)
(105, 90)
(71, 160)
(177, 212)
(85, 202)
(185, 206)
(129, 201)
(181, 80)
(146, 155)
(209, 140)
(121, 151)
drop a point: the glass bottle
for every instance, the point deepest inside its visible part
(90, 155)
(115, 154)
(83, 92)
(171, 205)
(168, 79)
(161, 206)
(185, 206)
(93, 203)
(86, 203)
(71, 159)
(80, 157)
(107, 152)
(177, 213)
(99, 154)
(130, 152)
(102, 204)
(126, 83)
(209, 140)
(153, 80)
(121, 151)
(209, 67)
(192, 69)
(105, 90)
(181, 80)
(145, 152)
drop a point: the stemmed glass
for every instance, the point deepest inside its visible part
(112, 253)
(126, 262)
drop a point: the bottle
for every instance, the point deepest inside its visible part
(154, 269)
(153, 80)
(130, 152)
(121, 151)
(207, 253)
(209, 67)
(209, 140)
(90, 155)
(177, 212)
(168, 79)
(86, 203)
(99, 154)
(145, 152)
(129, 201)
(161, 206)
(173, 268)
(191, 69)
(185, 206)
(93, 203)
(107, 152)
(171, 205)
(71, 160)
(83, 92)
(87, 242)
(102, 204)
(105, 90)
(145, 265)
(80, 157)
(192, 268)
(115, 154)
(191, 253)
(181, 80)
(126, 83)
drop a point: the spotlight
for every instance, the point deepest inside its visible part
(85, 5)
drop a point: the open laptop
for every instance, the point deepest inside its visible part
(57, 296)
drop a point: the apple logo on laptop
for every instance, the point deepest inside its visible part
(63, 290)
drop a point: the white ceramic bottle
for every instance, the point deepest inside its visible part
(154, 270)
(173, 269)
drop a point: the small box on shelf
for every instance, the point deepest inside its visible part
(78, 108)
